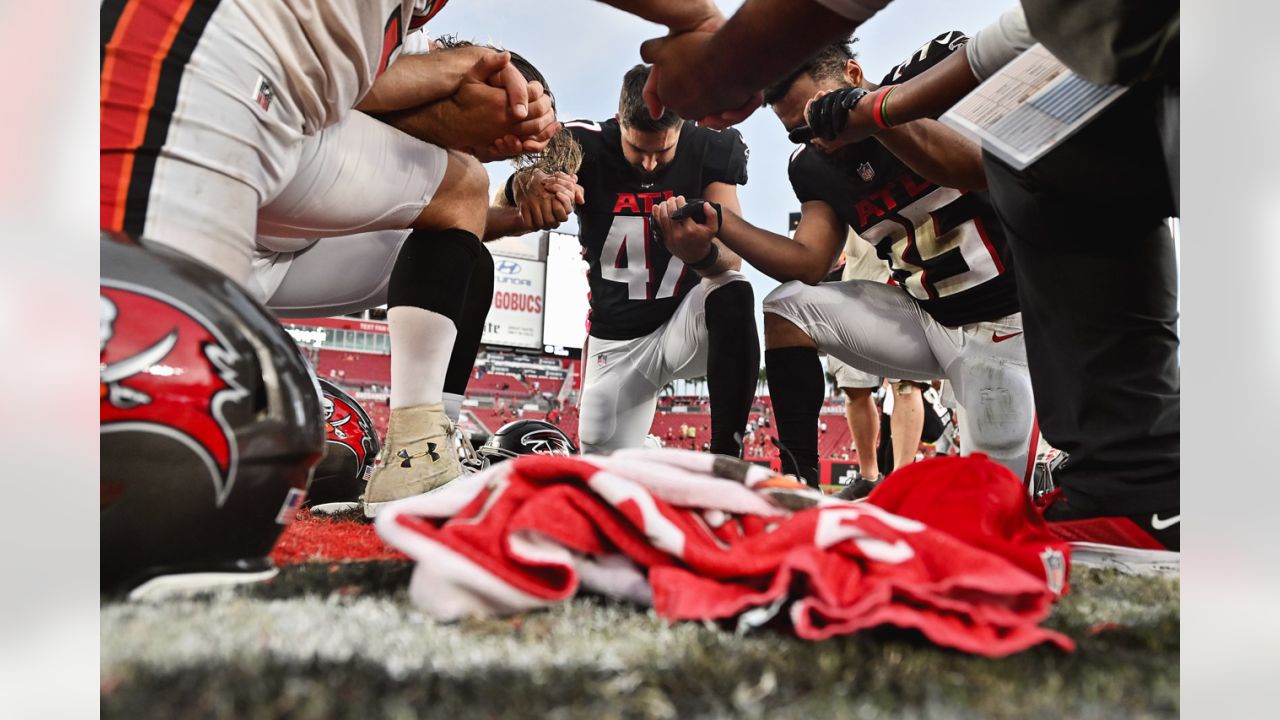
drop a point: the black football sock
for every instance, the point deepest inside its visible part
(433, 270)
(424, 303)
(733, 363)
(796, 387)
(470, 323)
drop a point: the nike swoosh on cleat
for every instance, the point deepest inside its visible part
(1159, 524)
(996, 337)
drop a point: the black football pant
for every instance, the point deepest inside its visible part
(1097, 281)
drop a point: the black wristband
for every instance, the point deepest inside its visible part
(510, 190)
(712, 256)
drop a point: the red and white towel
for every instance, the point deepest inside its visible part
(951, 548)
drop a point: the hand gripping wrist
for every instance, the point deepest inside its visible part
(696, 210)
(829, 114)
(708, 261)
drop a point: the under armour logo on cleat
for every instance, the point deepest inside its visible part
(408, 459)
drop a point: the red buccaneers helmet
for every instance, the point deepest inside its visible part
(210, 426)
(351, 445)
(526, 437)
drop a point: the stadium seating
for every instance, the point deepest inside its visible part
(380, 414)
(547, 385)
(357, 369)
(354, 368)
(497, 385)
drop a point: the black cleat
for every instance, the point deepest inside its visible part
(859, 489)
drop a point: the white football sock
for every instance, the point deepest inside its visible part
(421, 342)
(452, 405)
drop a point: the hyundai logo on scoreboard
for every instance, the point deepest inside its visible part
(515, 315)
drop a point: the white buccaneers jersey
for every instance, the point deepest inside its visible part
(332, 50)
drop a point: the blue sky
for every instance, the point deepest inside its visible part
(584, 48)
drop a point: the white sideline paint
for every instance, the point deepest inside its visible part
(1130, 561)
(187, 584)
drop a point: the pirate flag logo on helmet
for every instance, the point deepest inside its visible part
(164, 369)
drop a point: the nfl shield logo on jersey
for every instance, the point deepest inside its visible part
(263, 93)
(866, 172)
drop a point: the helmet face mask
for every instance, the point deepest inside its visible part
(526, 437)
(210, 423)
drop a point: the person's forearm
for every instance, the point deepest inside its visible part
(678, 15)
(790, 31)
(414, 80)
(777, 256)
(933, 92)
(937, 153)
(431, 123)
(727, 197)
(504, 222)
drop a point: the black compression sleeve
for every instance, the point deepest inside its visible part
(733, 363)
(432, 271)
(475, 309)
(796, 386)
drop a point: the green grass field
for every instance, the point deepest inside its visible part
(339, 640)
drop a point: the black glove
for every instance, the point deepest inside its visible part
(800, 135)
(696, 210)
(829, 114)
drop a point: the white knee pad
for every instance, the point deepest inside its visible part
(597, 420)
(997, 409)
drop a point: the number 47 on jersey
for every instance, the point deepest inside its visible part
(625, 259)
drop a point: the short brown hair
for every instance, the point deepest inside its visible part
(826, 64)
(632, 112)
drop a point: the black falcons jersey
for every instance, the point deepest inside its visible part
(946, 248)
(636, 284)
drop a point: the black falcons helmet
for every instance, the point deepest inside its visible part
(526, 437)
(351, 445)
(210, 425)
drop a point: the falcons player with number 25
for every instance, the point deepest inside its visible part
(952, 310)
(656, 315)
